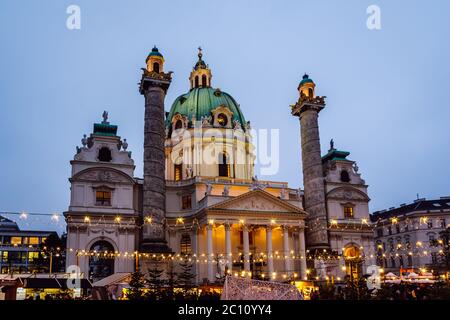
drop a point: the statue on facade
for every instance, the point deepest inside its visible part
(125, 144)
(331, 144)
(84, 141)
(237, 125)
(355, 167)
(206, 121)
(188, 172)
(226, 191)
(105, 117)
(208, 189)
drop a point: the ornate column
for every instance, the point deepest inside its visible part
(301, 240)
(307, 109)
(229, 256)
(269, 250)
(154, 86)
(286, 251)
(209, 251)
(246, 248)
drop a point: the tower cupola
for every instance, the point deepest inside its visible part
(155, 61)
(307, 87)
(201, 74)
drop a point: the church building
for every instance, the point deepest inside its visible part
(200, 201)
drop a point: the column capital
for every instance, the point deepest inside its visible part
(227, 226)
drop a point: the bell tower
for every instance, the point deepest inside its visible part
(307, 109)
(153, 86)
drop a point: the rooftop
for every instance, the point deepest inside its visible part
(442, 204)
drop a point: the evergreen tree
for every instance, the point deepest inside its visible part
(154, 277)
(137, 283)
(185, 277)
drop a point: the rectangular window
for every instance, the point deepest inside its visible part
(6, 240)
(348, 212)
(389, 230)
(443, 223)
(5, 256)
(102, 198)
(33, 240)
(33, 256)
(178, 172)
(16, 240)
(380, 232)
(430, 224)
(186, 202)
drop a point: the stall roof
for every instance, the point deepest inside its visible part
(112, 279)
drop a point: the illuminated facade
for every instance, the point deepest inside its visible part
(200, 199)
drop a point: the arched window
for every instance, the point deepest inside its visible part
(196, 81)
(224, 166)
(103, 265)
(104, 154)
(310, 92)
(203, 81)
(156, 67)
(178, 124)
(178, 172)
(352, 258)
(344, 176)
(185, 244)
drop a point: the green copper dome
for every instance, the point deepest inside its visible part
(305, 79)
(200, 102)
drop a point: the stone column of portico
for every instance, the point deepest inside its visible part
(229, 255)
(209, 250)
(269, 250)
(246, 248)
(286, 252)
(301, 240)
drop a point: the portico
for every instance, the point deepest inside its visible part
(255, 234)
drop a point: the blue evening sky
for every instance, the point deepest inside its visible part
(387, 89)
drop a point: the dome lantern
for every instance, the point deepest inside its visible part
(155, 61)
(201, 74)
(307, 87)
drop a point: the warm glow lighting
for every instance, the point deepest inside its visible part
(394, 220)
(381, 270)
(180, 220)
(272, 221)
(117, 219)
(87, 219)
(334, 222)
(241, 221)
(211, 221)
(364, 221)
(148, 219)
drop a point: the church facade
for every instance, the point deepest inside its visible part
(200, 201)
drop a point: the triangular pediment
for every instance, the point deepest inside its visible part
(257, 200)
